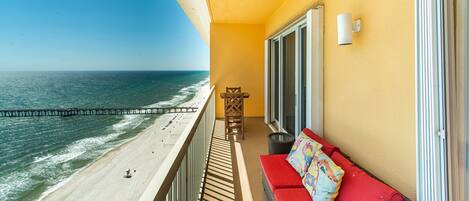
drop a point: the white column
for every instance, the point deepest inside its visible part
(314, 70)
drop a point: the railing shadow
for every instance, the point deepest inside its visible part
(219, 181)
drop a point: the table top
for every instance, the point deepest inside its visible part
(245, 95)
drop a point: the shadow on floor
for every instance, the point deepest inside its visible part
(223, 180)
(219, 181)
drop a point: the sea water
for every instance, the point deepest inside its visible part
(40, 153)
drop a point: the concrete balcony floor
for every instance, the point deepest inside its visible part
(234, 171)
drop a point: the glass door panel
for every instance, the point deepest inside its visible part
(302, 107)
(289, 57)
(276, 79)
(466, 68)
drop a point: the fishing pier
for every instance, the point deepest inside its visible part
(66, 112)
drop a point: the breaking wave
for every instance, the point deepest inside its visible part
(56, 168)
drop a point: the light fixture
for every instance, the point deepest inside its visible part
(345, 27)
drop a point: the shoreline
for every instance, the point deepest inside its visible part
(103, 179)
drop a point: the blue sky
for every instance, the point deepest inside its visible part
(98, 35)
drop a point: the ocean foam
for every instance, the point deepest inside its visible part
(81, 149)
(182, 95)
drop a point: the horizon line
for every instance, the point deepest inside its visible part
(181, 70)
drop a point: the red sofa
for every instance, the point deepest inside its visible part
(282, 182)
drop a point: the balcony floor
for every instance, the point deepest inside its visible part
(234, 171)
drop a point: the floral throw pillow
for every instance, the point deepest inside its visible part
(302, 153)
(323, 178)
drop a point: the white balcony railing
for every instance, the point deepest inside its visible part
(180, 177)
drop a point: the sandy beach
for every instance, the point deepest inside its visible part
(104, 179)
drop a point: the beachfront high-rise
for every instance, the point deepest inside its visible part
(392, 99)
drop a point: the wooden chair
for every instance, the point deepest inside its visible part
(234, 115)
(233, 89)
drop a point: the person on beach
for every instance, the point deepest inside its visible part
(128, 174)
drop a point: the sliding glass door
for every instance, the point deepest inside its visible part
(288, 79)
(295, 75)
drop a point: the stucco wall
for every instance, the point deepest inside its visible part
(369, 99)
(237, 59)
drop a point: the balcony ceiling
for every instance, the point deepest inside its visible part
(198, 13)
(242, 11)
(203, 12)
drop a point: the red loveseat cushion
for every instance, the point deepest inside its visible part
(292, 194)
(279, 173)
(351, 171)
(327, 147)
(357, 185)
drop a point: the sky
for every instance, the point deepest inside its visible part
(38, 35)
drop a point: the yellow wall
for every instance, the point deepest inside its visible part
(286, 13)
(369, 86)
(237, 59)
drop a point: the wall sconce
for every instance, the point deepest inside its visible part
(345, 27)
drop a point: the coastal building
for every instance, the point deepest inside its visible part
(374, 78)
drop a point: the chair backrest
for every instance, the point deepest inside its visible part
(234, 104)
(233, 89)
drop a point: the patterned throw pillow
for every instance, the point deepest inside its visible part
(302, 153)
(323, 178)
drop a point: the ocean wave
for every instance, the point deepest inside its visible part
(182, 95)
(55, 169)
(52, 169)
(41, 158)
(128, 122)
(53, 188)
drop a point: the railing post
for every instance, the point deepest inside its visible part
(174, 191)
(186, 179)
(190, 166)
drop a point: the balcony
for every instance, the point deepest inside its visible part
(202, 165)
(236, 164)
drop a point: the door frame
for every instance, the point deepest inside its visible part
(431, 61)
(272, 99)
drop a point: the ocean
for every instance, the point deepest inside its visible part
(38, 153)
